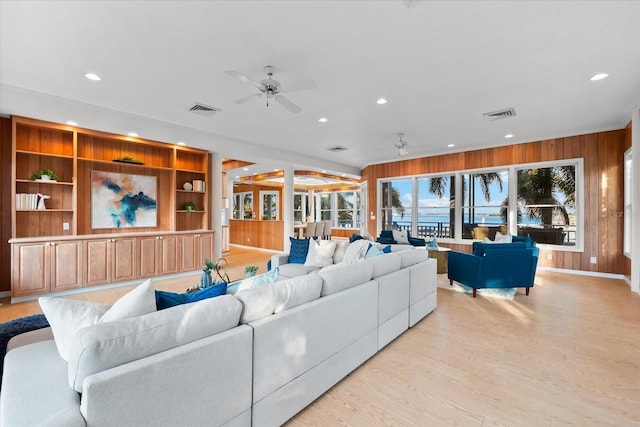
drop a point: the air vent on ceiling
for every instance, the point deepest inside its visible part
(502, 114)
(203, 109)
(337, 149)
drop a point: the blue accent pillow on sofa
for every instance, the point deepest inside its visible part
(298, 252)
(169, 299)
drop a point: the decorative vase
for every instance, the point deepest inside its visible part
(205, 279)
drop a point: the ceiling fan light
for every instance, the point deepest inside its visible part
(402, 152)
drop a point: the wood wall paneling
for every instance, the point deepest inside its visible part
(256, 233)
(603, 155)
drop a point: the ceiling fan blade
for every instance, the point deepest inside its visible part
(288, 104)
(243, 78)
(298, 86)
(247, 98)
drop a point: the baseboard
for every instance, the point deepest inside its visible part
(583, 273)
(5, 294)
(255, 248)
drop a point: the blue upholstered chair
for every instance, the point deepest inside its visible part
(496, 265)
(386, 238)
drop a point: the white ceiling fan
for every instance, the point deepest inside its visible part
(401, 145)
(270, 89)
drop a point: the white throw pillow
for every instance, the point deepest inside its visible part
(320, 253)
(400, 236)
(503, 238)
(67, 316)
(356, 251)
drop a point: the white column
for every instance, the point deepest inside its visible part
(215, 192)
(635, 198)
(312, 205)
(287, 208)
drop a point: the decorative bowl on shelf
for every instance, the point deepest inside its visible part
(187, 186)
(131, 160)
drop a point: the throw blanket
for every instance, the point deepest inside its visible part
(16, 327)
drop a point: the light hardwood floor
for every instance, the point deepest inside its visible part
(566, 355)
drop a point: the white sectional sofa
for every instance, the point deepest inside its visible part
(283, 345)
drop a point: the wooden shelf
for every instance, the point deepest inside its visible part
(31, 181)
(123, 164)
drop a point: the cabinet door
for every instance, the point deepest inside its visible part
(149, 254)
(123, 261)
(30, 269)
(169, 254)
(205, 246)
(188, 253)
(96, 262)
(66, 265)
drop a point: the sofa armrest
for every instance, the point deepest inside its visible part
(279, 259)
(465, 268)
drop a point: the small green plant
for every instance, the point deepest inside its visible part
(190, 206)
(48, 172)
(250, 269)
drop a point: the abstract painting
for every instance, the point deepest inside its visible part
(122, 200)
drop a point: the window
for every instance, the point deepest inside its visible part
(243, 205)
(628, 188)
(323, 207)
(547, 204)
(436, 206)
(396, 203)
(348, 209)
(270, 211)
(541, 200)
(485, 204)
(300, 207)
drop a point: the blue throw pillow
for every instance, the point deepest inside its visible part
(386, 249)
(354, 237)
(372, 251)
(298, 252)
(169, 299)
(251, 282)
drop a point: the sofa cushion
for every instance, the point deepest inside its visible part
(252, 282)
(340, 277)
(320, 253)
(106, 345)
(298, 251)
(269, 299)
(67, 316)
(384, 264)
(288, 271)
(170, 299)
(415, 256)
(338, 254)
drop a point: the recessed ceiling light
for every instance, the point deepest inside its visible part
(276, 170)
(92, 76)
(324, 171)
(451, 145)
(71, 123)
(599, 76)
(322, 120)
(181, 143)
(245, 169)
(509, 135)
(133, 134)
(382, 101)
(255, 173)
(237, 176)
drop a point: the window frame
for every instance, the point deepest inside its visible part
(240, 196)
(512, 194)
(263, 214)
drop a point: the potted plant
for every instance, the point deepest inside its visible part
(44, 175)
(205, 279)
(190, 207)
(250, 270)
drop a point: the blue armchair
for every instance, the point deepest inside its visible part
(498, 265)
(386, 238)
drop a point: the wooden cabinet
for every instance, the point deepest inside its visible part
(194, 249)
(42, 263)
(44, 267)
(109, 260)
(157, 255)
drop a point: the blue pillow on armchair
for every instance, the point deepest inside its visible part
(166, 299)
(298, 251)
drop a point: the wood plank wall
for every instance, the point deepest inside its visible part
(603, 155)
(257, 233)
(5, 204)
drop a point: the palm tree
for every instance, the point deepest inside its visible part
(536, 188)
(395, 203)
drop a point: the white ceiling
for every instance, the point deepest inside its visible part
(441, 64)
